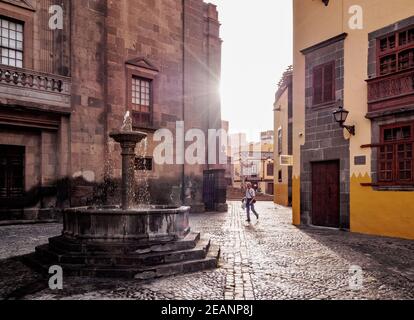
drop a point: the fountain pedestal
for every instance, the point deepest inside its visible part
(128, 141)
(123, 241)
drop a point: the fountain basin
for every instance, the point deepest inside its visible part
(128, 136)
(112, 224)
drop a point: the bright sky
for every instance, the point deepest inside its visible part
(257, 49)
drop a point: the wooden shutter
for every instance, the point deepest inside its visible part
(317, 85)
(405, 162)
(328, 82)
(396, 155)
(386, 163)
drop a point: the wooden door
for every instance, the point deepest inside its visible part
(11, 176)
(209, 192)
(270, 189)
(325, 194)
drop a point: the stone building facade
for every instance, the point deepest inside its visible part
(63, 90)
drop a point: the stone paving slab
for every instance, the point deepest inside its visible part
(269, 259)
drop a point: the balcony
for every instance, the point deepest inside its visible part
(27, 87)
(391, 92)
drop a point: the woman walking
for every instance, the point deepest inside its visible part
(250, 201)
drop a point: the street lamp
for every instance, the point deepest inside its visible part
(340, 116)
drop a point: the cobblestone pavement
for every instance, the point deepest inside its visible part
(269, 259)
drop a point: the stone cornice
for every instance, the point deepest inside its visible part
(325, 43)
(20, 3)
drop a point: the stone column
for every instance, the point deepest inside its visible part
(128, 174)
(128, 141)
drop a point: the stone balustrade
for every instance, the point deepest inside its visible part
(33, 86)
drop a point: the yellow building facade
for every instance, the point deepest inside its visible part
(358, 55)
(283, 126)
(254, 163)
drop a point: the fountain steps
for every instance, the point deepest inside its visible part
(125, 260)
(203, 260)
(66, 245)
(135, 259)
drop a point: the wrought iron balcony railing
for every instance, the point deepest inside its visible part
(29, 86)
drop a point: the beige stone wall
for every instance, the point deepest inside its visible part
(185, 88)
(87, 126)
(180, 38)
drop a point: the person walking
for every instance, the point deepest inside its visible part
(250, 201)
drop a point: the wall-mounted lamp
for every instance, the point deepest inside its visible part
(340, 116)
(326, 2)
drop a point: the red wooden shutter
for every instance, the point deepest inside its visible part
(405, 162)
(386, 163)
(317, 85)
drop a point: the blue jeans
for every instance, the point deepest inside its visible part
(250, 206)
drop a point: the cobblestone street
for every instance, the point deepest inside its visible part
(269, 259)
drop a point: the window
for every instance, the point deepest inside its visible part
(11, 43)
(141, 100)
(251, 169)
(270, 169)
(280, 176)
(324, 84)
(396, 52)
(143, 164)
(396, 163)
(280, 141)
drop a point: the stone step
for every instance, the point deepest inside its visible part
(132, 259)
(141, 273)
(64, 245)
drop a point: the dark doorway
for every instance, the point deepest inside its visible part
(12, 160)
(270, 189)
(325, 194)
(214, 188)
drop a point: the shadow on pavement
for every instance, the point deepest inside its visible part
(384, 258)
(18, 280)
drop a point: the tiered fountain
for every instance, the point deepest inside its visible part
(125, 241)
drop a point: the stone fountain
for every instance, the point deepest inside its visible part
(124, 241)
